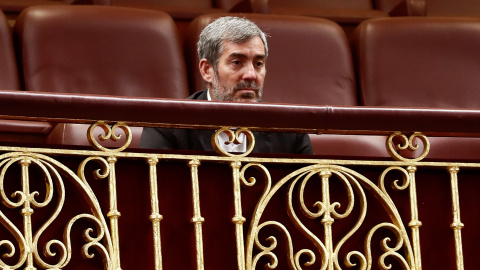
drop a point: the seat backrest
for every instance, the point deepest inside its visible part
(419, 62)
(229, 4)
(9, 79)
(101, 50)
(387, 5)
(309, 60)
(167, 3)
(15, 130)
(453, 8)
(351, 4)
(402, 7)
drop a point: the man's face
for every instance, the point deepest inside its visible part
(240, 72)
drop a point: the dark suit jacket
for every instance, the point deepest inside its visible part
(199, 139)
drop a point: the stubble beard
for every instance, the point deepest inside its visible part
(221, 92)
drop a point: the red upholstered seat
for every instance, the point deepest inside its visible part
(238, 5)
(17, 6)
(421, 62)
(402, 7)
(453, 8)
(182, 11)
(350, 11)
(12, 8)
(100, 50)
(15, 130)
(309, 63)
(9, 79)
(178, 9)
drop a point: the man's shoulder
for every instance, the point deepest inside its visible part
(202, 95)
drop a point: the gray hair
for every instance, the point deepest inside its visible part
(233, 29)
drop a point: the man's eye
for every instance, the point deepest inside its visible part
(260, 64)
(236, 62)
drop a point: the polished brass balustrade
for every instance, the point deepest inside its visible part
(260, 239)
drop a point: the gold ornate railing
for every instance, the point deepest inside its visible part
(316, 214)
(69, 207)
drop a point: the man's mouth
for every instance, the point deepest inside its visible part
(246, 90)
(246, 86)
(247, 93)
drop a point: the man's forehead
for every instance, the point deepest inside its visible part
(234, 48)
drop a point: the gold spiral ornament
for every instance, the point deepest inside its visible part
(33, 253)
(233, 137)
(109, 134)
(407, 143)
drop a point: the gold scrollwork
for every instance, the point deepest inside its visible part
(55, 175)
(395, 183)
(267, 250)
(407, 143)
(326, 212)
(388, 250)
(109, 134)
(233, 137)
(97, 173)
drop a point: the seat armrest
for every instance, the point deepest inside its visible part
(18, 126)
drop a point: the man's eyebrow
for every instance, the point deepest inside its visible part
(241, 55)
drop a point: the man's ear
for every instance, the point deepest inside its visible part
(206, 69)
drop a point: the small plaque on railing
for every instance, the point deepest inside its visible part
(233, 141)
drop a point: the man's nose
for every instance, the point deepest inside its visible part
(249, 72)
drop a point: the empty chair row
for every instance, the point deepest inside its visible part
(133, 52)
(426, 62)
(348, 13)
(178, 9)
(359, 10)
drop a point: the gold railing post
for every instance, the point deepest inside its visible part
(197, 219)
(238, 219)
(415, 223)
(114, 214)
(27, 212)
(457, 225)
(155, 217)
(327, 220)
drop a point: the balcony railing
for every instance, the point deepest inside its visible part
(166, 209)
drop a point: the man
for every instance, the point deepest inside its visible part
(232, 52)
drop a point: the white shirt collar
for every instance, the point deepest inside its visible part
(208, 95)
